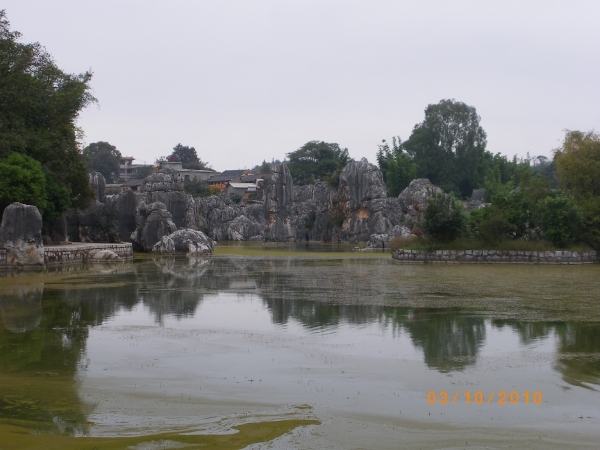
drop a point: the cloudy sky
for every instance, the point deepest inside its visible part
(243, 81)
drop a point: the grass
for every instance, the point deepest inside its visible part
(473, 244)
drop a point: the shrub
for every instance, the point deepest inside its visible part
(490, 224)
(235, 198)
(444, 218)
(560, 220)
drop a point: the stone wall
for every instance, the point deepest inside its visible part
(494, 256)
(83, 252)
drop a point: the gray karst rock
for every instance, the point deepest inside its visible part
(363, 203)
(413, 199)
(376, 240)
(21, 235)
(477, 200)
(223, 220)
(167, 187)
(277, 206)
(98, 184)
(190, 242)
(154, 222)
(105, 256)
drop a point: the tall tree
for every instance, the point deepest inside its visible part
(578, 167)
(448, 146)
(39, 104)
(189, 157)
(104, 158)
(317, 161)
(397, 167)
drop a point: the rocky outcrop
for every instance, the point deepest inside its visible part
(105, 256)
(21, 235)
(356, 210)
(383, 240)
(363, 202)
(477, 200)
(413, 199)
(98, 184)
(190, 242)
(277, 206)
(154, 222)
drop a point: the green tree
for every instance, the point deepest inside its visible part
(144, 171)
(22, 180)
(559, 220)
(397, 167)
(39, 104)
(189, 157)
(444, 218)
(317, 161)
(104, 158)
(578, 167)
(448, 147)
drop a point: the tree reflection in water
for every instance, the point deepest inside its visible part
(45, 324)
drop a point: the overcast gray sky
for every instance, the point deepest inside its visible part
(243, 81)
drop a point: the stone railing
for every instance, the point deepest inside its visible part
(494, 256)
(77, 252)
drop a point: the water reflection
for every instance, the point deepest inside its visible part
(46, 320)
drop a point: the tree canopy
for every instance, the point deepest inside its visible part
(22, 180)
(317, 161)
(39, 104)
(448, 147)
(397, 167)
(104, 158)
(189, 157)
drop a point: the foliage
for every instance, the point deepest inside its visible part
(444, 218)
(197, 188)
(490, 224)
(189, 157)
(22, 180)
(104, 158)
(448, 147)
(397, 167)
(560, 220)
(578, 167)
(235, 198)
(144, 171)
(40, 104)
(317, 161)
(59, 198)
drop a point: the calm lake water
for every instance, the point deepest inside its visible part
(367, 347)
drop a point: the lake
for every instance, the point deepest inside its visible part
(313, 349)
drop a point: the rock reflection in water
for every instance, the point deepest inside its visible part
(45, 324)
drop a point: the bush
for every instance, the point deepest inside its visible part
(199, 189)
(444, 218)
(22, 180)
(490, 224)
(235, 198)
(560, 220)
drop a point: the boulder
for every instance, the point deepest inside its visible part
(376, 240)
(154, 222)
(105, 256)
(21, 235)
(190, 242)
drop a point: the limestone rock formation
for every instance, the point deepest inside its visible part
(21, 235)
(190, 242)
(167, 187)
(154, 222)
(105, 256)
(277, 206)
(98, 184)
(382, 240)
(477, 200)
(363, 202)
(413, 199)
